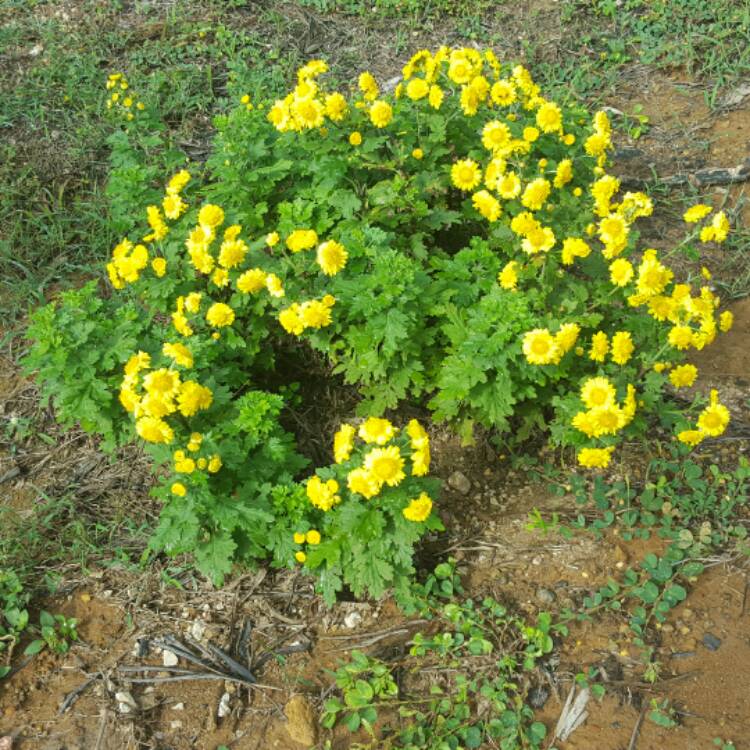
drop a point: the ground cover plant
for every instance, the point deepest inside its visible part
(458, 243)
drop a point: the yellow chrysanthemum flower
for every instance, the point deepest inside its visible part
(302, 239)
(508, 277)
(386, 465)
(503, 92)
(381, 114)
(508, 186)
(598, 392)
(154, 430)
(713, 420)
(331, 257)
(193, 398)
(622, 347)
(335, 106)
(620, 271)
(291, 321)
(419, 509)
(179, 353)
(435, 97)
(496, 136)
(377, 430)
(362, 482)
(252, 281)
(726, 320)
(683, 376)
(539, 347)
(274, 285)
(691, 437)
(487, 205)
(572, 248)
(417, 89)
(343, 443)
(323, 494)
(232, 253)
(696, 213)
(536, 193)
(211, 216)
(220, 315)
(595, 458)
(466, 174)
(549, 117)
(680, 337)
(563, 173)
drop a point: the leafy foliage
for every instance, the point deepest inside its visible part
(80, 343)
(488, 650)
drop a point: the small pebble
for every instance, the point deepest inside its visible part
(711, 642)
(224, 707)
(125, 702)
(352, 620)
(538, 697)
(169, 658)
(545, 596)
(459, 482)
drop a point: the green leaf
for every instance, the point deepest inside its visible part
(473, 737)
(353, 722)
(35, 647)
(214, 557)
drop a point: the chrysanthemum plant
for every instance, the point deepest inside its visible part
(480, 256)
(456, 242)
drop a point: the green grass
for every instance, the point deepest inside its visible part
(710, 40)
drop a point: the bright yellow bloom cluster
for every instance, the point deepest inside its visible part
(302, 239)
(377, 430)
(122, 97)
(311, 537)
(127, 263)
(717, 230)
(185, 464)
(508, 277)
(383, 465)
(323, 494)
(343, 443)
(158, 394)
(311, 314)
(307, 107)
(595, 458)
(541, 347)
(604, 416)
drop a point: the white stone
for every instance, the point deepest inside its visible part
(169, 658)
(224, 707)
(352, 620)
(178, 707)
(125, 702)
(198, 630)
